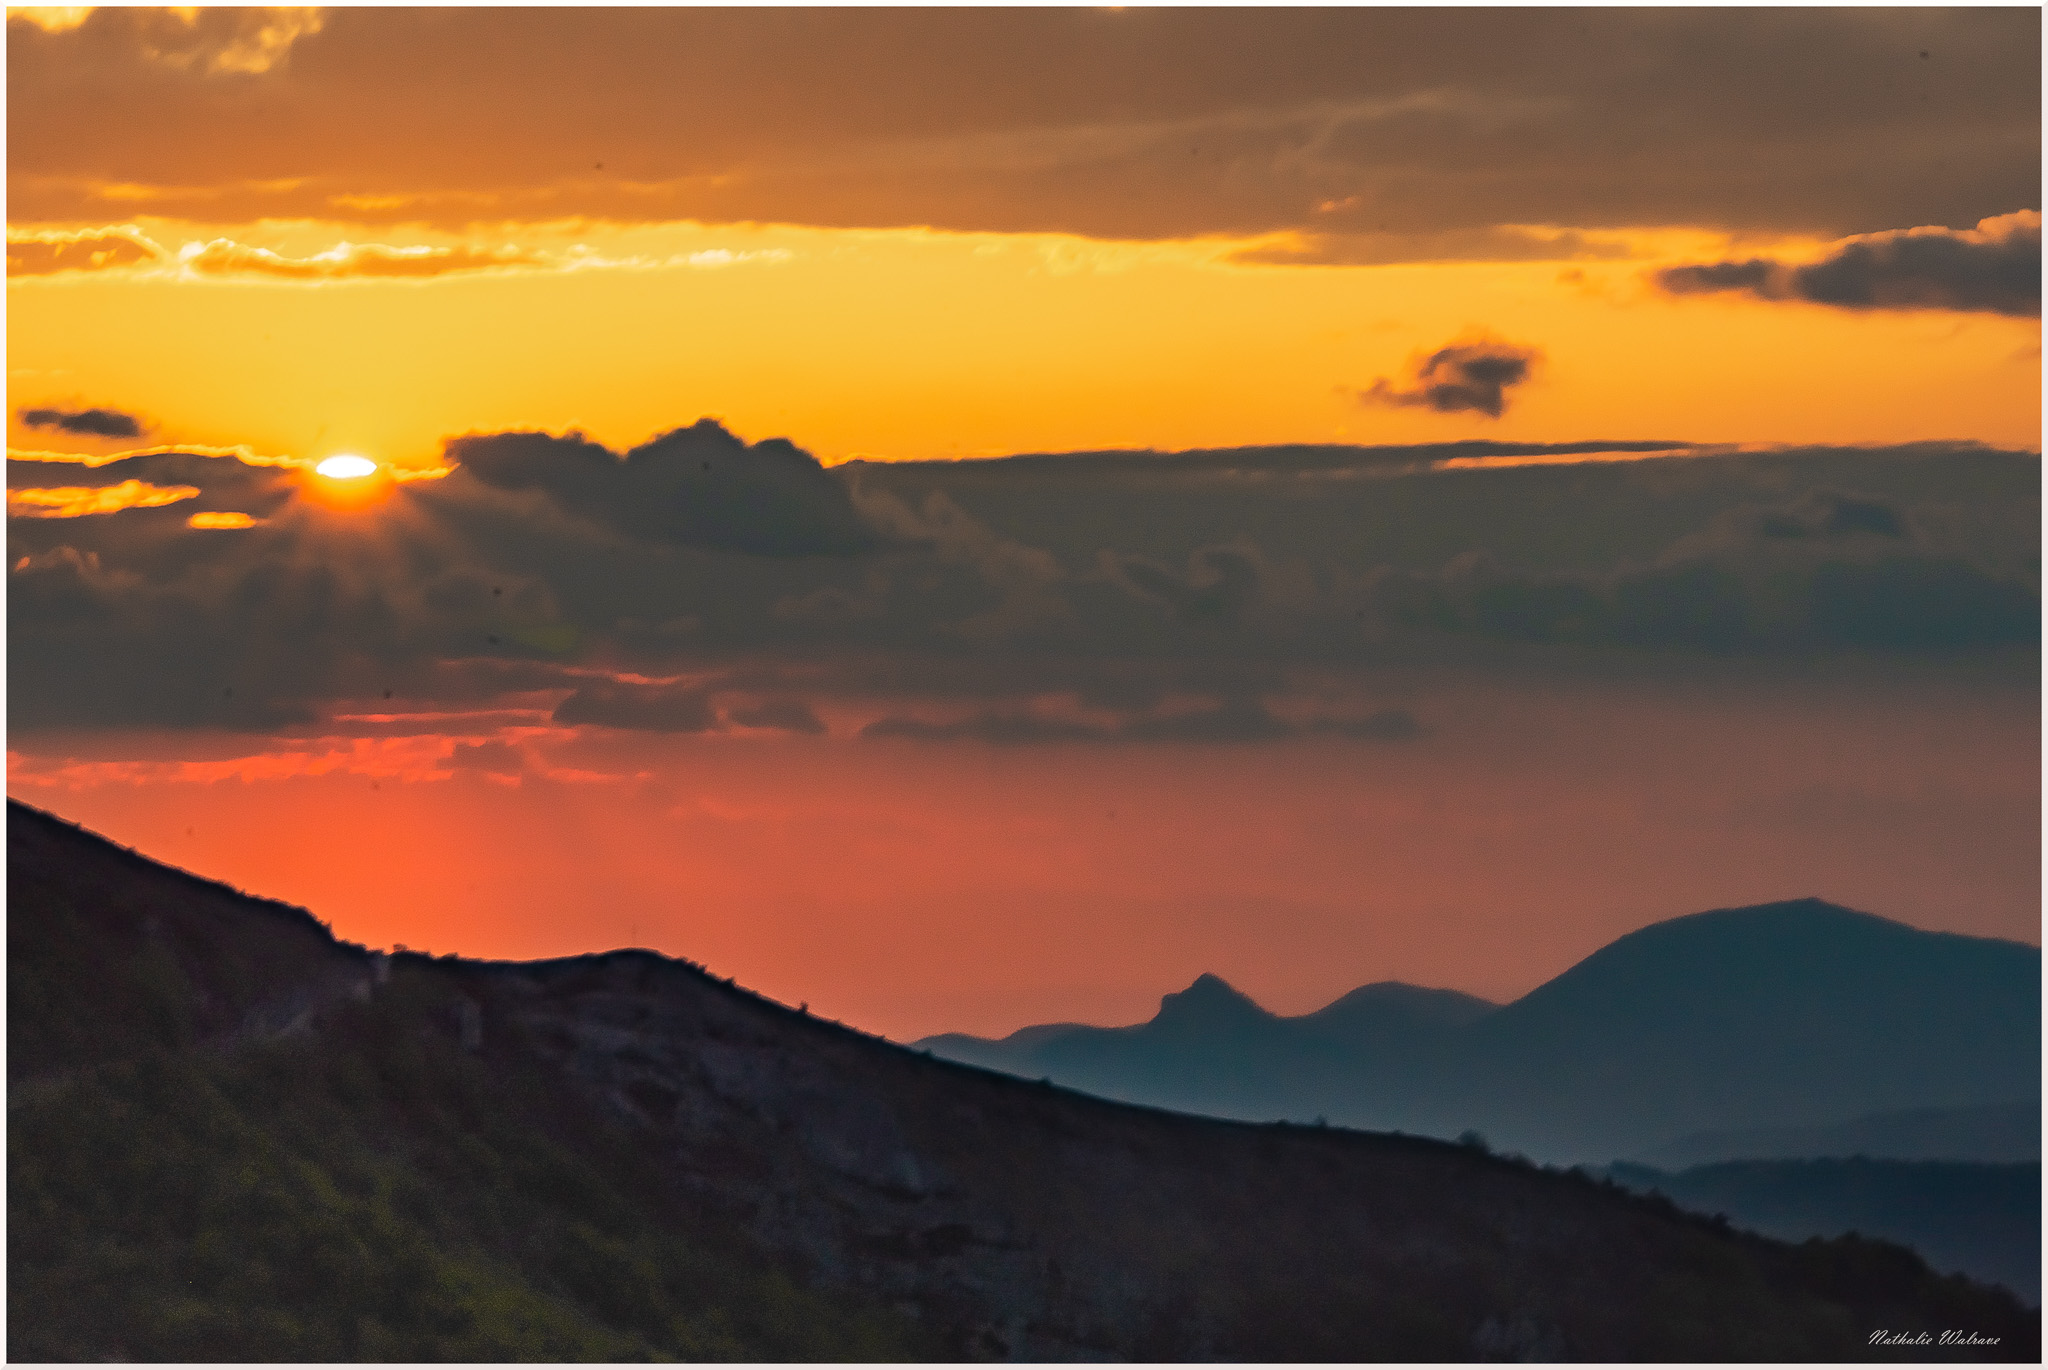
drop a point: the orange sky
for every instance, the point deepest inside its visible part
(916, 344)
(245, 240)
(938, 233)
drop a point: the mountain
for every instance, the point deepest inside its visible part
(1987, 1133)
(1784, 1015)
(1378, 1015)
(232, 1137)
(1212, 1050)
(1800, 1012)
(1979, 1220)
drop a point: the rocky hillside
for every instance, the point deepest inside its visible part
(232, 1137)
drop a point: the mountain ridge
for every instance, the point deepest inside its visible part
(233, 1137)
(1794, 1013)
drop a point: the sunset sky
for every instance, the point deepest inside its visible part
(1477, 482)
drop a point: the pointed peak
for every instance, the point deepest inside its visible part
(1210, 998)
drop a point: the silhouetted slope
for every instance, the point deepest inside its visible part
(1799, 1013)
(184, 959)
(1977, 1220)
(618, 1155)
(1989, 1133)
(232, 1138)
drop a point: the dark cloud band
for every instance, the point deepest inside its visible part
(1993, 269)
(1368, 133)
(1135, 598)
(1232, 719)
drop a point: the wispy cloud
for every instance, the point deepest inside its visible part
(77, 501)
(1499, 243)
(224, 257)
(1239, 719)
(247, 456)
(416, 758)
(127, 248)
(90, 249)
(224, 519)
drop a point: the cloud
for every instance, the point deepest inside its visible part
(246, 41)
(1473, 375)
(1233, 719)
(223, 481)
(1921, 604)
(1832, 514)
(221, 520)
(1163, 598)
(223, 257)
(100, 423)
(77, 501)
(680, 708)
(246, 455)
(780, 715)
(696, 487)
(260, 39)
(1994, 268)
(1370, 127)
(51, 18)
(490, 757)
(1220, 580)
(97, 249)
(1500, 243)
(126, 247)
(1001, 728)
(1133, 467)
(1826, 570)
(644, 708)
(1249, 720)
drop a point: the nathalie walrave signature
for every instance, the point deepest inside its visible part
(1951, 1337)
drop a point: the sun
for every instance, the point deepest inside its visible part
(347, 483)
(347, 467)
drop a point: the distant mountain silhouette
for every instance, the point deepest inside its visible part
(1211, 1049)
(1374, 1015)
(1784, 1015)
(231, 1137)
(1989, 1133)
(1979, 1220)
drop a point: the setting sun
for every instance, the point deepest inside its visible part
(347, 468)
